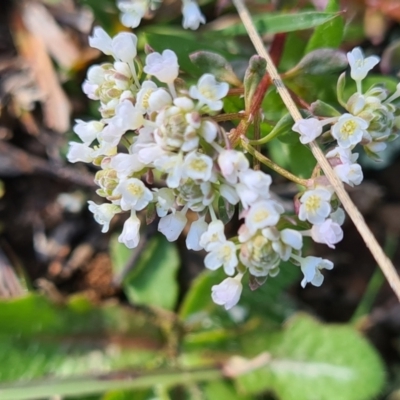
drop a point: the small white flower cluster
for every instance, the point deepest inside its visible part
(132, 12)
(169, 134)
(369, 122)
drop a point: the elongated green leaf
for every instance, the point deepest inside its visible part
(320, 62)
(39, 338)
(153, 279)
(78, 387)
(281, 22)
(330, 33)
(309, 360)
(182, 43)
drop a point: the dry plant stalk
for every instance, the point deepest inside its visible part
(383, 261)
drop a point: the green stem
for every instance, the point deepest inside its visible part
(95, 385)
(272, 135)
(375, 283)
(270, 164)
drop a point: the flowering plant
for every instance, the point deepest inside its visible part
(165, 145)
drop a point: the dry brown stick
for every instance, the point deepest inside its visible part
(383, 261)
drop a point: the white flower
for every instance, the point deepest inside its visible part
(328, 233)
(132, 12)
(360, 66)
(231, 163)
(315, 205)
(376, 147)
(252, 186)
(172, 225)
(101, 40)
(192, 16)
(349, 130)
(134, 194)
(172, 164)
(87, 131)
(309, 129)
(165, 201)
(127, 117)
(214, 235)
(197, 228)
(262, 214)
(349, 173)
(289, 240)
(163, 66)
(150, 98)
(311, 268)
(345, 155)
(222, 254)
(228, 292)
(197, 166)
(80, 152)
(126, 164)
(130, 233)
(103, 213)
(209, 92)
(208, 130)
(111, 134)
(228, 192)
(124, 46)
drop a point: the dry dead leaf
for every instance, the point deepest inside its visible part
(56, 107)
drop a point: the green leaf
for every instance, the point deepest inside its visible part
(217, 65)
(153, 280)
(267, 301)
(282, 22)
(330, 33)
(222, 390)
(309, 360)
(39, 338)
(183, 43)
(322, 109)
(294, 156)
(319, 62)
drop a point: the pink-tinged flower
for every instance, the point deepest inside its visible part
(231, 163)
(328, 233)
(228, 292)
(309, 129)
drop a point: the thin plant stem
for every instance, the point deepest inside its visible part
(383, 261)
(375, 283)
(270, 164)
(229, 116)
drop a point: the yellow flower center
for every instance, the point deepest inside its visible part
(198, 165)
(135, 189)
(348, 128)
(260, 215)
(313, 203)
